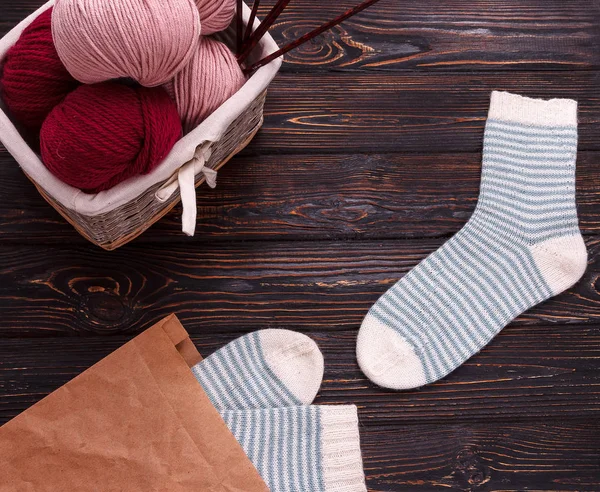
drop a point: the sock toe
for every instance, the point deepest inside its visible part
(387, 358)
(296, 360)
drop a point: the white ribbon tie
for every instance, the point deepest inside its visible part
(185, 180)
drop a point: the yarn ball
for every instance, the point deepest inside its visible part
(33, 78)
(148, 41)
(106, 133)
(212, 76)
(216, 15)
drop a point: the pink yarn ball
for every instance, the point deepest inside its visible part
(212, 76)
(148, 41)
(216, 15)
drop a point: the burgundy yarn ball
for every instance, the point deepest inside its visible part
(33, 79)
(103, 134)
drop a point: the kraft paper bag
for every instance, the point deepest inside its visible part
(136, 421)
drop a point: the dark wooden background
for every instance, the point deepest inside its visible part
(368, 160)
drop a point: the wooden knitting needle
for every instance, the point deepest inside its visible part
(308, 36)
(251, 21)
(262, 29)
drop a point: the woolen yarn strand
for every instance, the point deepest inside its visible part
(216, 15)
(103, 134)
(212, 76)
(33, 78)
(148, 41)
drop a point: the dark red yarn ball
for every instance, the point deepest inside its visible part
(105, 133)
(33, 78)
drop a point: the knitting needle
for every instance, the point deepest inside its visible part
(262, 29)
(251, 20)
(309, 36)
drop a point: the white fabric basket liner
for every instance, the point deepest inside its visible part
(210, 130)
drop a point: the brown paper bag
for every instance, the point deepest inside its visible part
(136, 421)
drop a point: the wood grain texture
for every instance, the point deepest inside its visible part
(314, 197)
(431, 112)
(462, 35)
(475, 457)
(222, 287)
(534, 372)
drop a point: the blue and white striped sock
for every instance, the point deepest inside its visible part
(302, 449)
(266, 368)
(521, 246)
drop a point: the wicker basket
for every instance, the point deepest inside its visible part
(114, 217)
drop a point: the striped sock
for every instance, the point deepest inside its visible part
(302, 449)
(267, 368)
(521, 246)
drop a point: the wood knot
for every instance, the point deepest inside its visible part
(331, 47)
(106, 311)
(469, 471)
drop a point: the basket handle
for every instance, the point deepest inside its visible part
(185, 179)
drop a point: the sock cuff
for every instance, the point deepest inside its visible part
(508, 107)
(341, 458)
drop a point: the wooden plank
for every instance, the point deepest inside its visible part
(223, 287)
(463, 35)
(527, 372)
(407, 112)
(392, 196)
(538, 456)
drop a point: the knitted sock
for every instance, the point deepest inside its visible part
(267, 368)
(304, 448)
(521, 246)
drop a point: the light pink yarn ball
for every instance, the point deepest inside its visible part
(212, 76)
(216, 15)
(148, 41)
